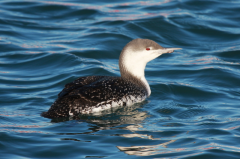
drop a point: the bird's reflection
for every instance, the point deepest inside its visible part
(145, 150)
(129, 118)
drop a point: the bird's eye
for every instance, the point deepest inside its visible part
(147, 48)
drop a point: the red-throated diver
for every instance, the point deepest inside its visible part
(92, 94)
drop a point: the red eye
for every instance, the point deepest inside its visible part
(148, 49)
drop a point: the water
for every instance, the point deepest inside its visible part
(193, 111)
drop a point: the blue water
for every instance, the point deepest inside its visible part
(193, 111)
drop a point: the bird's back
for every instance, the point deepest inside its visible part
(92, 94)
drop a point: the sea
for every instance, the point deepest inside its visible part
(193, 111)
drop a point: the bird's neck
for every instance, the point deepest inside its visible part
(134, 71)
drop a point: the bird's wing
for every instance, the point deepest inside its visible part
(86, 93)
(78, 83)
(103, 91)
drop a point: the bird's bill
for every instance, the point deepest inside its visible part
(170, 50)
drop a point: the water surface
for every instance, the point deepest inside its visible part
(193, 111)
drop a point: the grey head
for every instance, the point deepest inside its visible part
(141, 44)
(136, 54)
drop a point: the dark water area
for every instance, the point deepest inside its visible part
(193, 111)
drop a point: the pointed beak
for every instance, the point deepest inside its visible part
(170, 50)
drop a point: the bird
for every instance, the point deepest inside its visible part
(92, 94)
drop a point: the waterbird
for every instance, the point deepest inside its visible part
(93, 94)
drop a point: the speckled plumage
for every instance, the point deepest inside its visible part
(96, 93)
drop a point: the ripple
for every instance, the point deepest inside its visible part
(191, 113)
